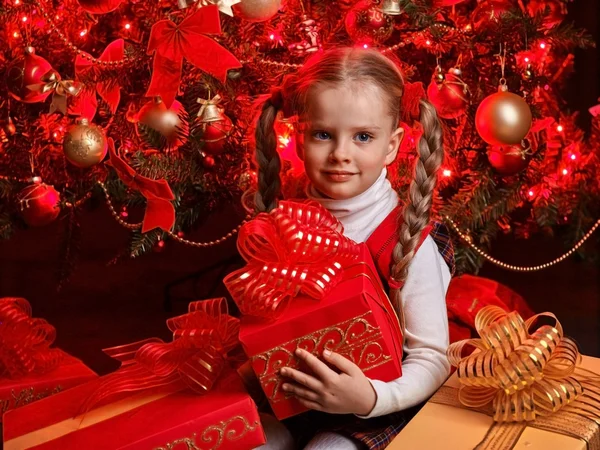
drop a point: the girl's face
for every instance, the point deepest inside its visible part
(348, 139)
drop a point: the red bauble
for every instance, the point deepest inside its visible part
(215, 135)
(509, 159)
(26, 71)
(208, 162)
(39, 204)
(450, 98)
(99, 6)
(165, 121)
(366, 24)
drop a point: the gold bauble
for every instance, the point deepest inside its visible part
(166, 121)
(257, 10)
(84, 144)
(503, 118)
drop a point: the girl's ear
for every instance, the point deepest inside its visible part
(394, 145)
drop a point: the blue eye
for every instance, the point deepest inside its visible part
(363, 137)
(321, 135)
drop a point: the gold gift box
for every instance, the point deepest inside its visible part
(439, 426)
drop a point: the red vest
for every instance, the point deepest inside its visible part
(383, 240)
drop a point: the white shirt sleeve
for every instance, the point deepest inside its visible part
(425, 366)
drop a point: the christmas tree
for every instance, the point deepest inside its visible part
(149, 107)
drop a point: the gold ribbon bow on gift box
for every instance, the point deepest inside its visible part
(51, 81)
(524, 379)
(523, 375)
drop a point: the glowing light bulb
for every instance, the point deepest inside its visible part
(447, 173)
(559, 128)
(127, 26)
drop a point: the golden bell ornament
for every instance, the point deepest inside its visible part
(391, 7)
(503, 118)
(84, 144)
(439, 76)
(209, 110)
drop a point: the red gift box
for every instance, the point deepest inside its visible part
(225, 418)
(29, 368)
(164, 394)
(20, 392)
(350, 315)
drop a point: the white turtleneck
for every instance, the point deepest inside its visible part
(425, 366)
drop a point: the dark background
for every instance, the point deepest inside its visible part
(105, 305)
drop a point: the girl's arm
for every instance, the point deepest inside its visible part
(425, 366)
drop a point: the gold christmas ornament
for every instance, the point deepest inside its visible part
(257, 10)
(223, 5)
(503, 118)
(391, 7)
(209, 111)
(84, 144)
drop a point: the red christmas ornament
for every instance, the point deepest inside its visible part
(509, 159)
(39, 204)
(208, 162)
(27, 71)
(166, 121)
(99, 6)
(449, 94)
(367, 24)
(215, 135)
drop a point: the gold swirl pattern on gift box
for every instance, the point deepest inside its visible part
(213, 436)
(357, 339)
(26, 396)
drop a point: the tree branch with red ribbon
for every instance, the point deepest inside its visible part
(171, 43)
(160, 212)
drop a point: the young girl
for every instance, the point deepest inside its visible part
(348, 104)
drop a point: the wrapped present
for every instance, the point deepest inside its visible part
(308, 286)
(165, 395)
(29, 368)
(516, 390)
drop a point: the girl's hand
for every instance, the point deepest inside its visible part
(349, 392)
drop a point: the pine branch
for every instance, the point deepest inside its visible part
(142, 243)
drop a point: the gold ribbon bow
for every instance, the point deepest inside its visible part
(51, 81)
(523, 375)
(223, 5)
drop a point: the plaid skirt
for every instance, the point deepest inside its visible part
(375, 434)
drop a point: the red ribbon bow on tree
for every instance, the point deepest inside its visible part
(195, 358)
(160, 212)
(110, 92)
(296, 248)
(173, 42)
(24, 341)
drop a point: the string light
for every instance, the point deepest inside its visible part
(542, 45)
(573, 156)
(82, 33)
(559, 128)
(127, 26)
(531, 193)
(24, 18)
(565, 171)
(447, 172)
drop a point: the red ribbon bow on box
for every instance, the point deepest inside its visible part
(296, 248)
(173, 42)
(24, 341)
(160, 212)
(110, 92)
(195, 358)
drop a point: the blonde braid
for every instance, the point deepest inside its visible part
(267, 158)
(417, 210)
